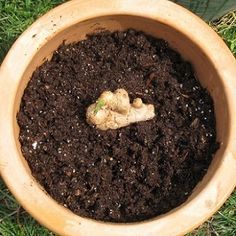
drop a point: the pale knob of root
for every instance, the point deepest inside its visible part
(98, 117)
(137, 103)
(117, 101)
(113, 110)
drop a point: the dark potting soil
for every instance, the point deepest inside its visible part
(124, 175)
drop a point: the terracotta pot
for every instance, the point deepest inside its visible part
(214, 65)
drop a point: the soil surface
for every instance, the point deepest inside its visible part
(125, 175)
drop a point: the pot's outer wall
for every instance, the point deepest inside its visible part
(214, 65)
(208, 9)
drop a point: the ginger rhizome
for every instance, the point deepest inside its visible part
(114, 110)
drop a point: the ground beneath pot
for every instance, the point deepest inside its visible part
(124, 175)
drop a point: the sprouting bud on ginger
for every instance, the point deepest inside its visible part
(114, 110)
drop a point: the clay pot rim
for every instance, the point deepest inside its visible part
(9, 156)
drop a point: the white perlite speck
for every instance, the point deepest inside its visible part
(34, 145)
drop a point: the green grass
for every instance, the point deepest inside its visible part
(226, 27)
(14, 221)
(15, 17)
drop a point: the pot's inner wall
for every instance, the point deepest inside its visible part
(204, 69)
